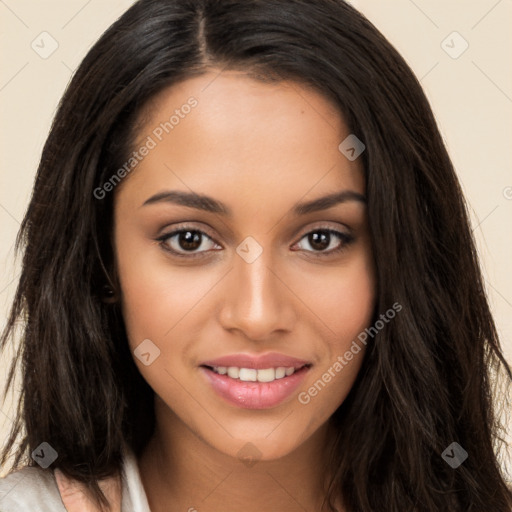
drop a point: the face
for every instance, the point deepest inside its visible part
(240, 290)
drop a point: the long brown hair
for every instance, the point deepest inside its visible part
(426, 378)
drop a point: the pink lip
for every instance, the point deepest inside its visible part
(258, 362)
(255, 395)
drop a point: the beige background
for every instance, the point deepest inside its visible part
(471, 96)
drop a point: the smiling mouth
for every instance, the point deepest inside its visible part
(255, 388)
(255, 375)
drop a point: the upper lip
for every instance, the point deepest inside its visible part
(258, 362)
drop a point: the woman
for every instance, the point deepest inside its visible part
(249, 278)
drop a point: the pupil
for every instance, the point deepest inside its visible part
(319, 239)
(189, 240)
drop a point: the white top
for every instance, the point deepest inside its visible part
(33, 489)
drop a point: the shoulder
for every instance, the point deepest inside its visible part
(30, 489)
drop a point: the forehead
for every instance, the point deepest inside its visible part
(243, 138)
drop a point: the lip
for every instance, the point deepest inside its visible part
(255, 395)
(257, 362)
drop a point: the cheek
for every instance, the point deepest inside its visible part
(158, 304)
(154, 302)
(342, 299)
(156, 296)
(344, 307)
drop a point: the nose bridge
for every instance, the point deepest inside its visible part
(256, 283)
(256, 286)
(257, 302)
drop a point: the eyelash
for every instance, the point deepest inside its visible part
(346, 240)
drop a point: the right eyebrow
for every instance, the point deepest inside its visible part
(190, 199)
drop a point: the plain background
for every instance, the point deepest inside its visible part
(469, 90)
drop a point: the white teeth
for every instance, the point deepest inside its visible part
(253, 375)
(280, 372)
(248, 374)
(233, 372)
(267, 375)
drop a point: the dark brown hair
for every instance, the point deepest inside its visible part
(426, 378)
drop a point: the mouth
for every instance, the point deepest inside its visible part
(255, 383)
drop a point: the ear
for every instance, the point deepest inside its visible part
(75, 498)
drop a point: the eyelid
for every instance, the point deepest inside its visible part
(323, 226)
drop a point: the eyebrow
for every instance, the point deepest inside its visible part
(209, 204)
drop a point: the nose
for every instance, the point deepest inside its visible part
(258, 301)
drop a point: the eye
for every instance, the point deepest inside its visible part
(186, 242)
(322, 239)
(191, 242)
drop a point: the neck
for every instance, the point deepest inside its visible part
(180, 471)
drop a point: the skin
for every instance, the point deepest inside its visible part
(75, 497)
(258, 148)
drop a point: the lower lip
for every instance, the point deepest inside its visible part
(255, 395)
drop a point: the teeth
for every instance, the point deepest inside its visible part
(267, 375)
(280, 372)
(253, 375)
(248, 375)
(233, 372)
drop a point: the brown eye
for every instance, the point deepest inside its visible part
(183, 241)
(189, 240)
(319, 240)
(322, 239)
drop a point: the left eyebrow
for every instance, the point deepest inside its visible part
(325, 202)
(209, 204)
